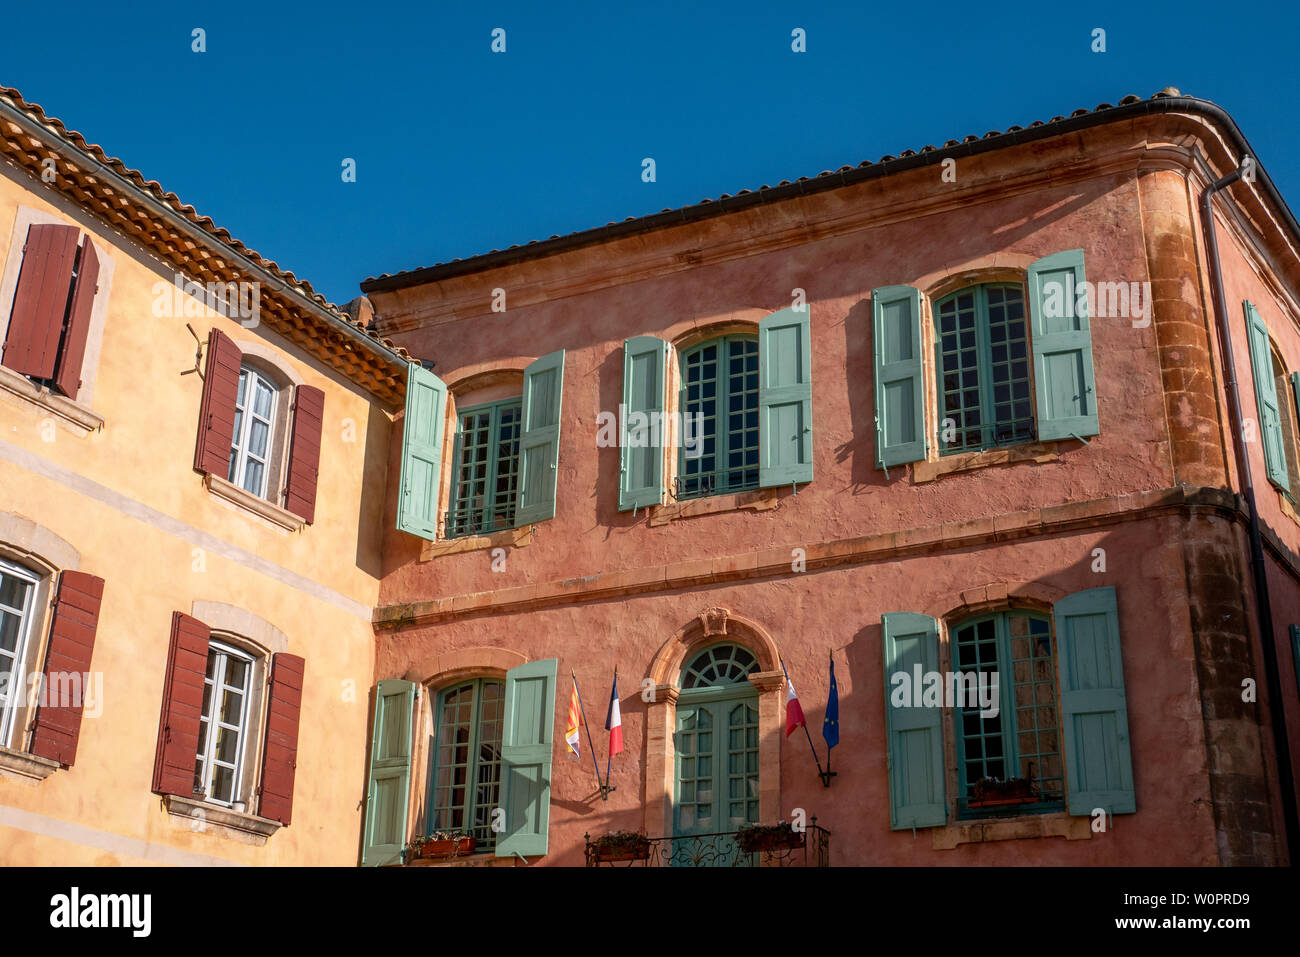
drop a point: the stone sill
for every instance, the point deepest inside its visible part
(759, 500)
(487, 859)
(1006, 455)
(506, 538)
(260, 507)
(201, 816)
(27, 766)
(82, 419)
(1026, 826)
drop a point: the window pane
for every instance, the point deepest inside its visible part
(262, 406)
(223, 783)
(231, 705)
(9, 631)
(236, 672)
(258, 434)
(253, 477)
(13, 592)
(227, 745)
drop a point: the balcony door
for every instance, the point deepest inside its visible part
(716, 757)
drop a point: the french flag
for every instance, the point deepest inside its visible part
(793, 712)
(614, 721)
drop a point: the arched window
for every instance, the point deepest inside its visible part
(255, 437)
(720, 410)
(1285, 386)
(716, 743)
(224, 724)
(465, 770)
(485, 476)
(18, 611)
(1008, 732)
(719, 665)
(983, 365)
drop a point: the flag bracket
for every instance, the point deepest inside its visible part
(605, 790)
(826, 777)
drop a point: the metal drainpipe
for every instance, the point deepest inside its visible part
(1263, 607)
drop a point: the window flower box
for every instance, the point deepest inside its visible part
(773, 837)
(621, 846)
(441, 845)
(995, 792)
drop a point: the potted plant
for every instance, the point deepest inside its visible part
(441, 844)
(993, 792)
(768, 837)
(620, 846)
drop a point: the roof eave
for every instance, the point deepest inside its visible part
(845, 177)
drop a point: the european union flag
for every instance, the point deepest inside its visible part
(831, 723)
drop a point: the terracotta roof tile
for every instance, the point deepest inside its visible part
(219, 234)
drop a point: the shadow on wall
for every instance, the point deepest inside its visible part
(372, 513)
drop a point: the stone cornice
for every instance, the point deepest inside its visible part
(776, 562)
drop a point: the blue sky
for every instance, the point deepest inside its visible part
(460, 150)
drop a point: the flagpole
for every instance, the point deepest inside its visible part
(821, 774)
(591, 742)
(828, 774)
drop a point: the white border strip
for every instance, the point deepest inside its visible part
(34, 823)
(152, 517)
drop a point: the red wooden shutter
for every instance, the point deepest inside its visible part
(280, 756)
(304, 452)
(68, 376)
(72, 640)
(217, 414)
(41, 300)
(182, 707)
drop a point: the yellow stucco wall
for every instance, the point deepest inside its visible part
(128, 499)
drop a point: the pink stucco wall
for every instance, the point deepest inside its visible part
(1275, 300)
(668, 283)
(838, 611)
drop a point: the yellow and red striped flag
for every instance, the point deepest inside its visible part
(571, 740)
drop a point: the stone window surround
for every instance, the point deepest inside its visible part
(431, 676)
(36, 547)
(76, 411)
(996, 596)
(999, 267)
(276, 367)
(709, 627)
(261, 639)
(476, 385)
(1292, 437)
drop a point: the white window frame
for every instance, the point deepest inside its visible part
(207, 757)
(250, 378)
(18, 670)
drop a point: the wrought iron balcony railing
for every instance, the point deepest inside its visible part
(716, 850)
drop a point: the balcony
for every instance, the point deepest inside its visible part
(807, 848)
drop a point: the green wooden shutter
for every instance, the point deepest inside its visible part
(526, 758)
(390, 774)
(1270, 418)
(900, 390)
(1064, 386)
(913, 735)
(784, 399)
(426, 411)
(1094, 714)
(1295, 391)
(641, 466)
(539, 442)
